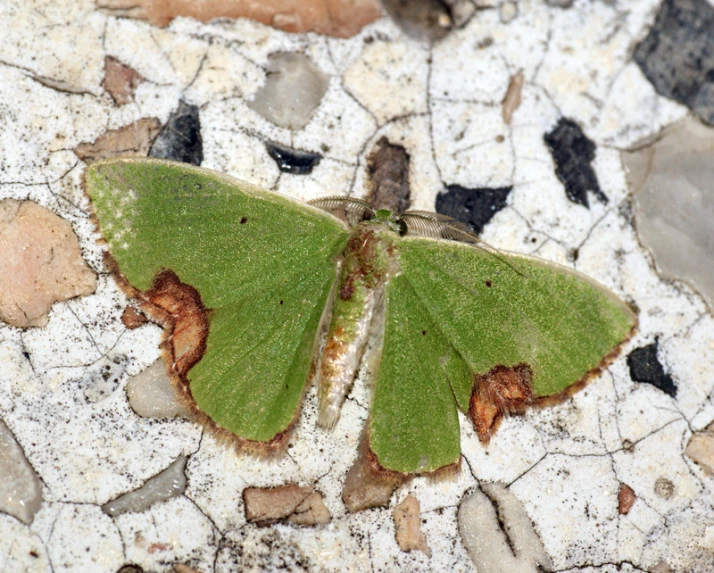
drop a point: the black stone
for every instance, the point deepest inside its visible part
(180, 139)
(573, 152)
(646, 367)
(677, 56)
(291, 160)
(475, 207)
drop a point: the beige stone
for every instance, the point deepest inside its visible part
(407, 526)
(700, 449)
(268, 505)
(133, 139)
(40, 263)
(312, 511)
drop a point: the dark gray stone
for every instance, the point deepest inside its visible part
(645, 367)
(573, 154)
(180, 139)
(388, 167)
(475, 207)
(677, 56)
(293, 161)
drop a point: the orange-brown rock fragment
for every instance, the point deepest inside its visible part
(268, 505)
(133, 139)
(132, 318)
(40, 263)
(700, 449)
(339, 18)
(120, 81)
(407, 526)
(502, 391)
(625, 499)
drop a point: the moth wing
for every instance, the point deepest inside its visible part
(263, 264)
(522, 330)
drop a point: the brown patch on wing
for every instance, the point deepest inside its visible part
(508, 390)
(504, 390)
(177, 307)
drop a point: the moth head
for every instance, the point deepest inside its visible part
(391, 220)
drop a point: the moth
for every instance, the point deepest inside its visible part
(246, 283)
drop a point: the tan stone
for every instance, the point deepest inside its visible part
(268, 505)
(407, 526)
(700, 449)
(40, 263)
(312, 511)
(133, 139)
(120, 81)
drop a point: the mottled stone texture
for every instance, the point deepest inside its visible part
(180, 139)
(40, 263)
(573, 153)
(475, 207)
(677, 56)
(645, 367)
(294, 161)
(388, 167)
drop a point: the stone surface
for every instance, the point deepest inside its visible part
(407, 526)
(268, 505)
(341, 18)
(677, 55)
(293, 161)
(151, 394)
(40, 263)
(20, 490)
(293, 89)
(388, 167)
(163, 486)
(498, 533)
(700, 449)
(443, 104)
(674, 201)
(475, 207)
(645, 367)
(133, 139)
(573, 154)
(180, 138)
(120, 81)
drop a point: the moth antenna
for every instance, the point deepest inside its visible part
(352, 210)
(438, 226)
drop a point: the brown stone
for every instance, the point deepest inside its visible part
(312, 511)
(268, 505)
(625, 499)
(512, 99)
(40, 263)
(120, 81)
(132, 318)
(700, 449)
(339, 18)
(133, 139)
(388, 167)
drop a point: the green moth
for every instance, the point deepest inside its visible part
(247, 283)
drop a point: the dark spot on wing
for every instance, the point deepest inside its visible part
(293, 161)
(243, 220)
(489, 284)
